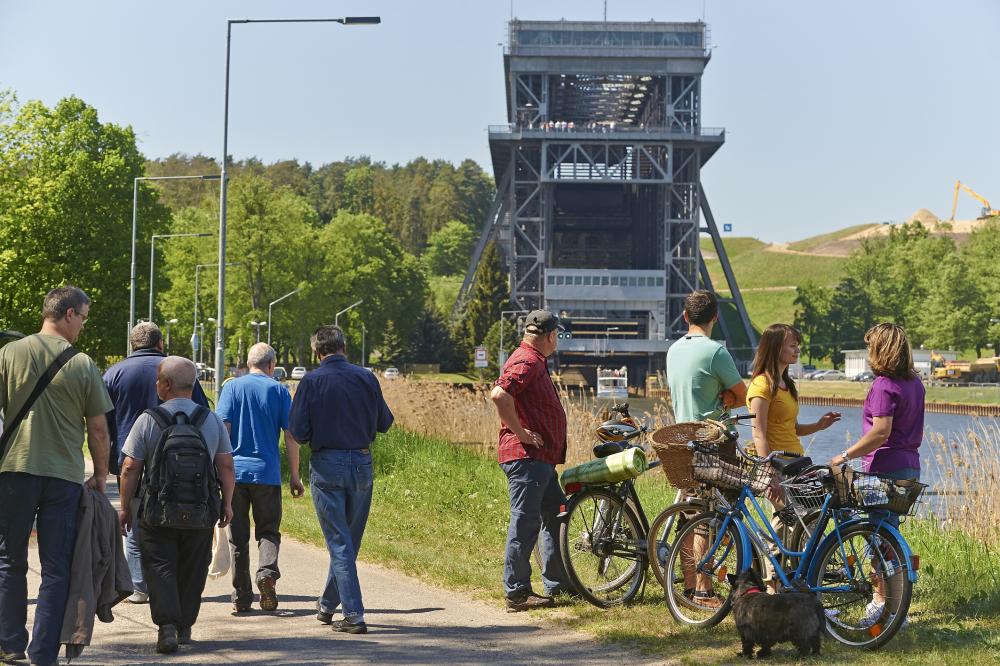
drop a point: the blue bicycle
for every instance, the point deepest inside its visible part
(853, 557)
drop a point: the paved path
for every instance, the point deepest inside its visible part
(408, 622)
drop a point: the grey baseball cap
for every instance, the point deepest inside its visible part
(541, 322)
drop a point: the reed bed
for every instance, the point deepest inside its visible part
(468, 416)
(969, 485)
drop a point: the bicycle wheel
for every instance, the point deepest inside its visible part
(663, 532)
(859, 563)
(601, 547)
(693, 566)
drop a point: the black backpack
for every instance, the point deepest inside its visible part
(180, 490)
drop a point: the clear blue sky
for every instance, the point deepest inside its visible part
(837, 113)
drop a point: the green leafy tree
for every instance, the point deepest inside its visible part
(431, 340)
(65, 216)
(449, 248)
(812, 314)
(954, 315)
(846, 320)
(359, 190)
(982, 255)
(490, 296)
(391, 348)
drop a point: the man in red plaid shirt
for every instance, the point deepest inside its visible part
(532, 443)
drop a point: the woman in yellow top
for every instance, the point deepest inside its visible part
(773, 398)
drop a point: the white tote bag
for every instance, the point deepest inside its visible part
(222, 560)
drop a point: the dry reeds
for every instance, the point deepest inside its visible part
(468, 416)
(968, 490)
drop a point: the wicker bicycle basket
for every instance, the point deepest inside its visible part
(670, 443)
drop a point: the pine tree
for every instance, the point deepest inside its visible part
(490, 296)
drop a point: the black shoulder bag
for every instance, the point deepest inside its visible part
(10, 427)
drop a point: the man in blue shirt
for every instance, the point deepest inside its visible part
(338, 410)
(132, 386)
(255, 409)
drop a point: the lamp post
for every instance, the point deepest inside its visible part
(364, 332)
(257, 325)
(169, 322)
(336, 317)
(271, 305)
(607, 337)
(220, 327)
(152, 261)
(195, 341)
(135, 226)
(501, 355)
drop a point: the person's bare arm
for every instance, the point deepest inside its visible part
(99, 444)
(824, 422)
(759, 407)
(735, 395)
(871, 440)
(129, 481)
(507, 410)
(224, 470)
(292, 451)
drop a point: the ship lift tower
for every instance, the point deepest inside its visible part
(599, 207)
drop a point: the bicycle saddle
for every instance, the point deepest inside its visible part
(791, 466)
(605, 449)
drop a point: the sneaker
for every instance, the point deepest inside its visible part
(706, 599)
(268, 597)
(873, 612)
(184, 636)
(528, 602)
(322, 615)
(348, 627)
(241, 607)
(11, 657)
(138, 598)
(166, 642)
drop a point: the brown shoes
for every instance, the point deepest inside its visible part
(528, 601)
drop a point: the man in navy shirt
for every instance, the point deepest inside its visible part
(255, 410)
(132, 386)
(338, 409)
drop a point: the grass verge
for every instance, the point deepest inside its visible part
(440, 513)
(966, 395)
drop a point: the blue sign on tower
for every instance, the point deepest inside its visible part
(727, 227)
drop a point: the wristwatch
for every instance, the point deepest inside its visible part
(844, 455)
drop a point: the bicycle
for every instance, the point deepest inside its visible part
(846, 565)
(602, 539)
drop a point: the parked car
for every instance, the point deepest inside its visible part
(391, 373)
(279, 373)
(298, 372)
(814, 374)
(830, 376)
(866, 376)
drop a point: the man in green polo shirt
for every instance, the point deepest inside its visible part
(41, 475)
(699, 369)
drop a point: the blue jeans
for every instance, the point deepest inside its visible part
(55, 503)
(341, 485)
(535, 497)
(132, 553)
(888, 516)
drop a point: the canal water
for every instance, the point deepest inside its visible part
(825, 444)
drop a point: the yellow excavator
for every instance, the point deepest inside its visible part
(988, 211)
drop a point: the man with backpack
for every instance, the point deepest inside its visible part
(254, 408)
(182, 452)
(47, 392)
(132, 386)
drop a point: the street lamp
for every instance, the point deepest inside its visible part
(135, 217)
(257, 325)
(501, 355)
(152, 261)
(271, 305)
(364, 332)
(169, 322)
(336, 317)
(220, 328)
(607, 337)
(195, 340)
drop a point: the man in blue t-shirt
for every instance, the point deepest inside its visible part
(255, 409)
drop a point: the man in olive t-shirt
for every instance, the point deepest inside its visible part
(699, 369)
(42, 472)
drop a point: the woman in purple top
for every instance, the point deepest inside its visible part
(894, 423)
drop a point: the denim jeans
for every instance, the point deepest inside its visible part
(265, 504)
(535, 496)
(55, 503)
(132, 555)
(341, 486)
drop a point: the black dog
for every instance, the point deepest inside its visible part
(765, 619)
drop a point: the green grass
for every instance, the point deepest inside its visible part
(440, 513)
(445, 288)
(809, 244)
(735, 245)
(755, 270)
(770, 307)
(447, 377)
